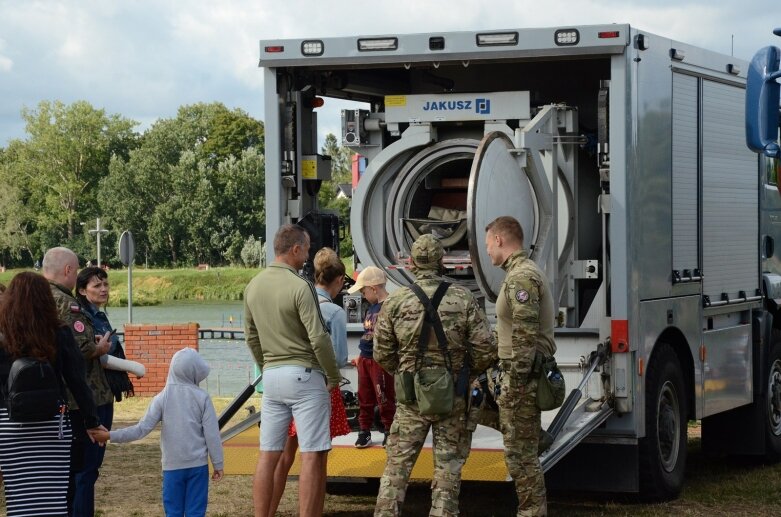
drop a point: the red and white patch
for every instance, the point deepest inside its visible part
(75, 308)
(522, 296)
(78, 326)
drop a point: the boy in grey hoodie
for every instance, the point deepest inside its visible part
(188, 435)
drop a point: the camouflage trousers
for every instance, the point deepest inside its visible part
(519, 422)
(452, 441)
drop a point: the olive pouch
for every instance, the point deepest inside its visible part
(434, 391)
(404, 382)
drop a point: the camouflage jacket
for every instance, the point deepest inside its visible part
(73, 316)
(524, 313)
(401, 319)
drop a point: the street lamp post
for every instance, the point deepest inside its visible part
(97, 231)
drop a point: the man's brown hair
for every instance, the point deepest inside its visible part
(288, 236)
(508, 227)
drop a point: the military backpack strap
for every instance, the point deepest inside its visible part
(431, 319)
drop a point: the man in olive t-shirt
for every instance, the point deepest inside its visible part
(288, 338)
(524, 328)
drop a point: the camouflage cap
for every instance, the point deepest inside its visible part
(426, 252)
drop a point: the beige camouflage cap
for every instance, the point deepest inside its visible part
(370, 275)
(426, 252)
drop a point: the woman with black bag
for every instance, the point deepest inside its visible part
(34, 455)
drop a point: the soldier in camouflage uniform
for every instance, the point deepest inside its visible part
(395, 347)
(524, 327)
(60, 268)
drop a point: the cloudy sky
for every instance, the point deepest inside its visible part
(145, 58)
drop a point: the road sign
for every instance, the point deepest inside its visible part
(127, 248)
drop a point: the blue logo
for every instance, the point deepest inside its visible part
(483, 106)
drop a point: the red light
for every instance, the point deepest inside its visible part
(317, 102)
(610, 34)
(275, 48)
(619, 336)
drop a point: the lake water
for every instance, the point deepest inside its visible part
(232, 366)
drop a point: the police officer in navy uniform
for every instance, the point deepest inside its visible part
(60, 268)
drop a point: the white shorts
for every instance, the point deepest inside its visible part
(300, 393)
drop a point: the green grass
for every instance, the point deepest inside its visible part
(152, 287)
(158, 286)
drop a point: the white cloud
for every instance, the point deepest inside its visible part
(6, 63)
(144, 59)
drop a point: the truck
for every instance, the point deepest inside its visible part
(623, 154)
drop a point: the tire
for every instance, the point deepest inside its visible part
(773, 404)
(663, 449)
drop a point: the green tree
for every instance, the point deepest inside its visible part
(193, 191)
(15, 214)
(231, 132)
(67, 152)
(341, 173)
(50, 178)
(241, 203)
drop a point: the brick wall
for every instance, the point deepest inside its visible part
(153, 346)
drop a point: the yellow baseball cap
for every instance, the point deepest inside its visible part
(370, 275)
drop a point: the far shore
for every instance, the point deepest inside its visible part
(161, 286)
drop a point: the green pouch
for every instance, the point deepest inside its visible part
(550, 386)
(404, 382)
(434, 391)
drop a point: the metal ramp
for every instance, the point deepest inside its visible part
(234, 407)
(583, 420)
(252, 419)
(575, 421)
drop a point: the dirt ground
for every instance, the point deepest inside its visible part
(130, 486)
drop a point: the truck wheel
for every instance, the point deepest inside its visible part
(773, 404)
(663, 450)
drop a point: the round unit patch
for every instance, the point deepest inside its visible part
(78, 326)
(522, 296)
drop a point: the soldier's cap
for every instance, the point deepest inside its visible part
(369, 276)
(426, 251)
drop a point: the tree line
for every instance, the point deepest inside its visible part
(190, 188)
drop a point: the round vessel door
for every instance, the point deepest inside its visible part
(497, 186)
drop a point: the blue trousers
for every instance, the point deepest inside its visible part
(186, 491)
(86, 466)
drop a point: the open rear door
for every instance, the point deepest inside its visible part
(497, 186)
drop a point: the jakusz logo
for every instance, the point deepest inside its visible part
(447, 105)
(483, 106)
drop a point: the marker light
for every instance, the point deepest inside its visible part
(496, 39)
(378, 44)
(312, 48)
(608, 34)
(677, 54)
(274, 48)
(733, 69)
(565, 37)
